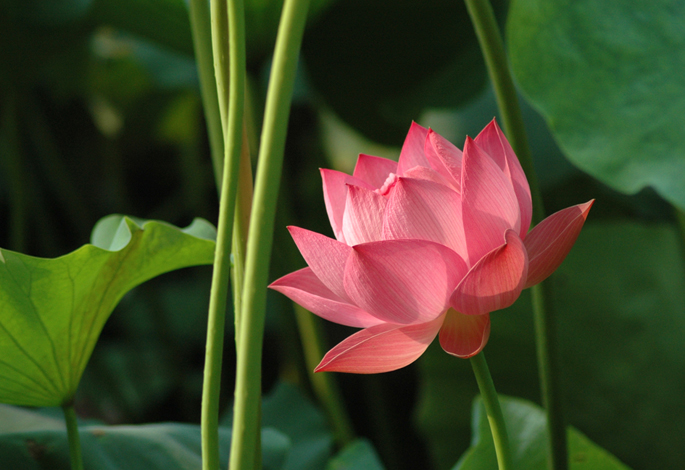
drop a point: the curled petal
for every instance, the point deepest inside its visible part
(444, 157)
(495, 281)
(402, 281)
(363, 218)
(304, 288)
(425, 210)
(489, 204)
(325, 256)
(492, 140)
(374, 170)
(464, 335)
(381, 348)
(335, 196)
(412, 153)
(551, 240)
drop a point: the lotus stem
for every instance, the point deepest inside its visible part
(241, 224)
(493, 410)
(245, 441)
(228, 31)
(73, 437)
(492, 46)
(202, 43)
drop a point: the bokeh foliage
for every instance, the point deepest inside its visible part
(100, 113)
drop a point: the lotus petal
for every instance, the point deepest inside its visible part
(444, 157)
(374, 170)
(402, 281)
(335, 196)
(551, 240)
(325, 256)
(381, 348)
(492, 140)
(428, 174)
(489, 204)
(363, 218)
(425, 210)
(464, 335)
(412, 151)
(495, 281)
(304, 288)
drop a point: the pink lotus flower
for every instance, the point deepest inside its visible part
(430, 244)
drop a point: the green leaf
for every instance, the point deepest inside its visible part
(289, 412)
(33, 440)
(621, 327)
(526, 424)
(52, 310)
(619, 301)
(609, 80)
(358, 455)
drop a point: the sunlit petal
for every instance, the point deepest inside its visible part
(374, 170)
(402, 281)
(335, 196)
(464, 335)
(444, 157)
(325, 256)
(496, 281)
(412, 153)
(381, 348)
(492, 140)
(489, 204)
(363, 218)
(551, 240)
(304, 288)
(425, 210)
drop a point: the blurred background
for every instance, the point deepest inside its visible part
(100, 113)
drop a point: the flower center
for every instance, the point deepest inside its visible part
(390, 181)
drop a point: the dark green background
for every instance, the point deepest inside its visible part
(100, 113)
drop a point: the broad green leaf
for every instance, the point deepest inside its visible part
(609, 78)
(526, 425)
(621, 330)
(359, 455)
(32, 440)
(619, 301)
(52, 310)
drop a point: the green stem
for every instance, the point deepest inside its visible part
(227, 30)
(492, 46)
(202, 42)
(325, 386)
(73, 437)
(546, 346)
(245, 436)
(241, 224)
(492, 408)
